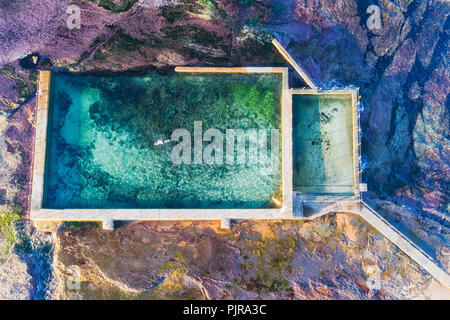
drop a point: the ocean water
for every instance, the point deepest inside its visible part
(101, 150)
(322, 138)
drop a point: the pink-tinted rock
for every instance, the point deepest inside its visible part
(26, 26)
(388, 90)
(431, 137)
(21, 133)
(387, 39)
(431, 31)
(8, 93)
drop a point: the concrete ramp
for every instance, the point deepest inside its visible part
(404, 244)
(294, 64)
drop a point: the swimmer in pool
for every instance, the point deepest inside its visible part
(161, 142)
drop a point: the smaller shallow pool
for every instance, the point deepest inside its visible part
(323, 143)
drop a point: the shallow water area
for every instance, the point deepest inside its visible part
(322, 138)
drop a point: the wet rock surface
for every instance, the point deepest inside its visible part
(402, 70)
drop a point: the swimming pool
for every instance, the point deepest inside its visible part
(108, 142)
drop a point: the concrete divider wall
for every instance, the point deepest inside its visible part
(43, 97)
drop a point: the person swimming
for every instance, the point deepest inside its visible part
(161, 142)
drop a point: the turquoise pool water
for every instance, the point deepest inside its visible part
(322, 138)
(101, 150)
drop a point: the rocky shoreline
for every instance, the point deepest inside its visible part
(403, 74)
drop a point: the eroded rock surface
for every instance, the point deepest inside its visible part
(335, 257)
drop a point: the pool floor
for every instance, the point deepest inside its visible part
(323, 144)
(101, 150)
